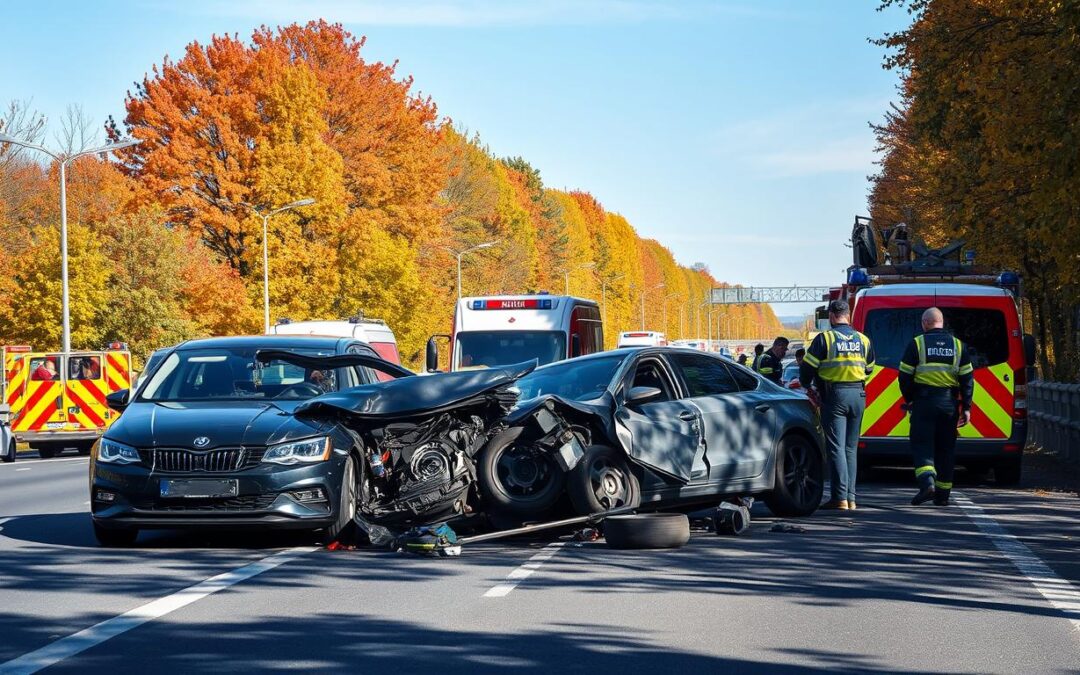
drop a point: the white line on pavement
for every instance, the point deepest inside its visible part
(50, 461)
(1057, 591)
(525, 571)
(110, 628)
(26, 469)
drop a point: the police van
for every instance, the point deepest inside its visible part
(641, 338)
(504, 329)
(982, 309)
(374, 332)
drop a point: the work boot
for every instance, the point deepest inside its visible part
(851, 504)
(925, 494)
(835, 505)
(941, 497)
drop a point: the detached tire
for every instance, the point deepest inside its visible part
(602, 481)
(800, 478)
(647, 530)
(514, 482)
(347, 497)
(1008, 472)
(115, 537)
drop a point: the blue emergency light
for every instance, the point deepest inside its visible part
(478, 304)
(858, 277)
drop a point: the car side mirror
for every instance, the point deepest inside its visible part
(643, 394)
(431, 353)
(118, 400)
(1029, 350)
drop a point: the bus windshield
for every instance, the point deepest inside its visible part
(982, 330)
(485, 349)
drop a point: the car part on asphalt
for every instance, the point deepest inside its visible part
(431, 540)
(731, 519)
(647, 530)
(591, 519)
(785, 527)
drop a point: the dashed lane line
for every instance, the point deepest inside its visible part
(524, 571)
(94, 635)
(23, 469)
(1057, 591)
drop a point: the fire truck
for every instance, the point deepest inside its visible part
(981, 306)
(56, 400)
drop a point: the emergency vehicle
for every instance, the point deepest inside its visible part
(982, 308)
(641, 338)
(505, 329)
(57, 400)
(374, 332)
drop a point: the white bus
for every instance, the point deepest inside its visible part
(504, 329)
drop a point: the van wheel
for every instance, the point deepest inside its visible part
(1008, 472)
(800, 478)
(516, 481)
(9, 455)
(46, 451)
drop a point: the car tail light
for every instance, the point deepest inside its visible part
(1020, 394)
(862, 445)
(1011, 447)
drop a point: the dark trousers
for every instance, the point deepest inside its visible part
(933, 439)
(841, 418)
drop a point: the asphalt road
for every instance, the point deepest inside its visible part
(888, 588)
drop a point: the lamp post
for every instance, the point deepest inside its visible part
(708, 321)
(265, 215)
(666, 298)
(643, 292)
(63, 159)
(583, 266)
(460, 254)
(603, 294)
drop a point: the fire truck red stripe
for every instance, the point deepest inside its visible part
(995, 388)
(86, 410)
(888, 421)
(880, 383)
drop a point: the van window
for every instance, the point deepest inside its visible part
(983, 330)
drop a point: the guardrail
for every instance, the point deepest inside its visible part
(1054, 419)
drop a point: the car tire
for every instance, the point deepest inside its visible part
(9, 454)
(1008, 472)
(46, 451)
(509, 486)
(347, 498)
(84, 449)
(115, 537)
(602, 481)
(647, 530)
(799, 480)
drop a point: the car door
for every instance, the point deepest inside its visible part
(738, 420)
(665, 432)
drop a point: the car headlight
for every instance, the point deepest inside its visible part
(112, 452)
(308, 451)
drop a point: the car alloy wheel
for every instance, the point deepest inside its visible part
(609, 483)
(802, 473)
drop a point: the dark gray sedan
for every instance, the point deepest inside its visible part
(678, 426)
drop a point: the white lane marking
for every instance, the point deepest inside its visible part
(26, 469)
(50, 461)
(1057, 591)
(525, 571)
(94, 635)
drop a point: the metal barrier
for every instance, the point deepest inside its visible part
(1054, 419)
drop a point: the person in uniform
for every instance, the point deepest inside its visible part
(759, 349)
(836, 367)
(770, 364)
(937, 383)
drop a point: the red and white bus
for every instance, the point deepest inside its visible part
(505, 329)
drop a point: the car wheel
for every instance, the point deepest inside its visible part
(9, 455)
(800, 478)
(46, 451)
(115, 537)
(84, 449)
(602, 481)
(647, 530)
(514, 480)
(1008, 472)
(346, 503)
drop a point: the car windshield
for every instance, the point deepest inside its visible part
(982, 330)
(578, 380)
(232, 373)
(501, 348)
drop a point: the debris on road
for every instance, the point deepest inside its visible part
(785, 527)
(731, 519)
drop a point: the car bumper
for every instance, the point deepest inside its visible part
(265, 498)
(73, 437)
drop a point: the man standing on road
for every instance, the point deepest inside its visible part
(836, 366)
(770, 364)
(934, 371)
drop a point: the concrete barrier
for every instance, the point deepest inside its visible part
(1054, 419)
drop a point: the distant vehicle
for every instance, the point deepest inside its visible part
(642, 338)
(700, 345)
(790, 376)
(506, 329)
(208, 441)
(7, 439)
(374, 332)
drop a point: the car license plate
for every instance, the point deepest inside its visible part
(54, 425)
(199, 488)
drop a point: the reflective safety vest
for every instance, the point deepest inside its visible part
(944, 372)
(845, 359)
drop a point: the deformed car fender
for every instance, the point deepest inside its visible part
(598, 414)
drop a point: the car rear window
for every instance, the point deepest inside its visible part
(984, 331)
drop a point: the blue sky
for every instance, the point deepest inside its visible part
(736, 133)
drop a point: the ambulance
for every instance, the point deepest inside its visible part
(641, 338)
(57, 400)
(374, 332)
(982, 308)
(506, 329)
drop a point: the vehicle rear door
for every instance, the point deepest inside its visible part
(739, 423)
(84, 392)
(41, 407)
(665, 433)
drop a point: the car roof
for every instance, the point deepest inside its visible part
(943, 288)
(269, 342)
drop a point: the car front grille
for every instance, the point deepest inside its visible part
(241, 503)
(221, 460)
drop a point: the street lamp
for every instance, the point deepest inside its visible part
(603, 294)
(460, 254)
(643, 292)
(708, 321)
(266, 256)
(583, 266)
(64, 159)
